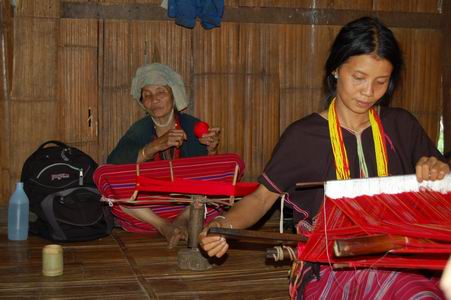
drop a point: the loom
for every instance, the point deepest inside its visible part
(392, 222)
(197, 181)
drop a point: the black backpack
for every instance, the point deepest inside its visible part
(65, 204)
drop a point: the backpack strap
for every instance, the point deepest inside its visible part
(47, 207)
(36, 152)
(58, 143)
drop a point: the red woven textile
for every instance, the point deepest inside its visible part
(119, 182)
(424, 217)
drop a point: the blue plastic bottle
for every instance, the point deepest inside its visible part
(18, 214)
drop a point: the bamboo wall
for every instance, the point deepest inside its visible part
(66, 74)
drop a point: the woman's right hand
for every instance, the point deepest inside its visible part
(214, 244)
(172, 138)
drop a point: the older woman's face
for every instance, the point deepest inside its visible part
(158, 100)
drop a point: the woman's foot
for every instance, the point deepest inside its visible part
(180, 229)
(173, 234)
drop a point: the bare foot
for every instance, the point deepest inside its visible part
(179, 229)
(182, 220)
(173, 234)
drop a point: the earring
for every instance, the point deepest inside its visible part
(335, 75)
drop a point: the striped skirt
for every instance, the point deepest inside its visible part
(118, 182)
(372, 284)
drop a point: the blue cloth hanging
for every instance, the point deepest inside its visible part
(185, 12)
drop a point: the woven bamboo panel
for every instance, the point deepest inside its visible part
(303, 54)
(420, 90)
(7, 185)
(117, 108)
(116, 58)
(78, 83)
(78, 1)
(409, 5)
(35, 63)
(38, 8)
(298, 103)
(246, 108)
(106, 2)
(336, 4)
(119, 111)
(166, 43)
(259, 49)
(78, 93)
(91, 148)
(216, 50)
(32, 123)
(81, 33)
(3, 77)
(368, 5)
(129, 1)
(5, 156)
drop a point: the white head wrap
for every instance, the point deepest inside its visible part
(159, 74)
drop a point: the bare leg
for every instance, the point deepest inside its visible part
(180, 224)
(171, 232)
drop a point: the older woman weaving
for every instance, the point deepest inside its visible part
(164, 133)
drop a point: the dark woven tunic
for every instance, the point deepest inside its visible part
(126, 152)
(143, 132)
(304, 154)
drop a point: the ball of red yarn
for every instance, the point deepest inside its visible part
(200, 128)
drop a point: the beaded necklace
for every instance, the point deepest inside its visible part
(339, 149)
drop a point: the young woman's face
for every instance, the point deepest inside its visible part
(158, 100)
(362, 81)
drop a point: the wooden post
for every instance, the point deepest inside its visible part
(235, 178)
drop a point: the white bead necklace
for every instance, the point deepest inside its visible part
(167, 122)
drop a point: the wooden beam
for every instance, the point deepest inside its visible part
(270, 15)
(91, 10)
(254, 234)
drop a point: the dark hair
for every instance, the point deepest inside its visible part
(363, 36)
(447, 155)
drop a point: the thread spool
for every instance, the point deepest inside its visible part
(52, 260)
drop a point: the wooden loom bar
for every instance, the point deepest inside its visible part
(368, 245)
(241, 233)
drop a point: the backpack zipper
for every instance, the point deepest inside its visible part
(80, 177)
(80, 171)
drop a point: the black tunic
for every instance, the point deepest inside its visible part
(304, 154)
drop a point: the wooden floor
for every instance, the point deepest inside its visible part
(135, 266)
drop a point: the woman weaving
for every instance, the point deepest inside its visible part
(353, 138)
(164, 133)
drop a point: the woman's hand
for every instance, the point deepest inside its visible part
(243, 214)
(172, 138)
(430, 168)
(211, 139)
(214, 244)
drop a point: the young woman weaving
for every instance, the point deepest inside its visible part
(354, 137)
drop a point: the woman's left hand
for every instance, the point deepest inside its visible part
(430, 168)
(211, 139)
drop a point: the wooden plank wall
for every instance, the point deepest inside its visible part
(71, 75)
